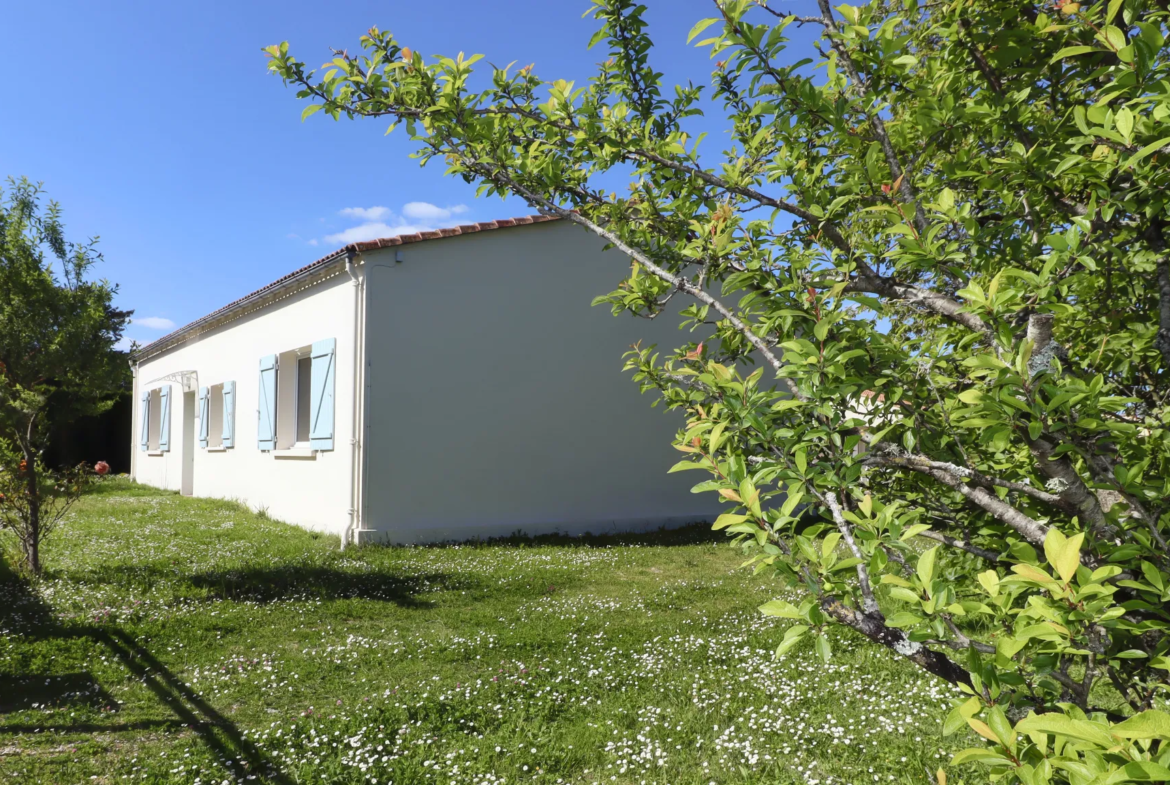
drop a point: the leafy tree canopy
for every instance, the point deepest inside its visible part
(941, 233)
(58, 331)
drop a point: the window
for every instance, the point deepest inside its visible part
(215, 417)
(154, 412)
(304, 397)
(294, 399)
(154, 424)
(294, 405)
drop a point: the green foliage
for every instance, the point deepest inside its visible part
(57, 358)
(943, 238)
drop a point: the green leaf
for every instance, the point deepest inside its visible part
(699, 27)
(957, 719)
(1139, 771)
(829, 543)
(904, 619)
(1062, 725)
(311, 110)
(903, 594)
(989, 580)
(1124, 123)
(784, 610)
(728, 519)
(1063, 553)
(1072, 51)
(926, 565)
(1152, 724)
(824, 649)
(914, 531)
(896, 580)
(1114, 37)
(1153, 576)
(866, 505)
(998, 722)
(1147, 150)
(791, 637)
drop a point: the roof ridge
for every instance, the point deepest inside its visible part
(358, 247)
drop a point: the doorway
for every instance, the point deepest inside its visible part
(188, 484)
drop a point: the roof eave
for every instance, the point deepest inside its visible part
(323, 264)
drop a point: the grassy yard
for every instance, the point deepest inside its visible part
(193, 641)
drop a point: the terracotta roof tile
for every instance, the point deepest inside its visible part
(368, 245)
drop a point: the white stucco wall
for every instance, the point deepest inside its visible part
(496, 399)
(311, 492)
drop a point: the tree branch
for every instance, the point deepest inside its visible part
(869, 604)
(983, 480)
(874, 628)
(962, 545)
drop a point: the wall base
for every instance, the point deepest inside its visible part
(440, 533)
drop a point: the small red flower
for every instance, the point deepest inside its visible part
(101, 467)
(886, 189)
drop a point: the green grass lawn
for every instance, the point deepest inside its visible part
(193, 641)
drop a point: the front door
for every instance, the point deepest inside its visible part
(188, 487)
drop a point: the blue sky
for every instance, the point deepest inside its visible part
(157, 127)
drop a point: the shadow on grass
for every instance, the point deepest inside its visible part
(691, 534)
(274, 583)
(32, 691)
(24, 614)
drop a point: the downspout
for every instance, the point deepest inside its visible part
(358, 390)
(135, 419)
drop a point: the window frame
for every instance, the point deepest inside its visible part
(154, 422)
(214, 427)
(304, 360)
(288, 441)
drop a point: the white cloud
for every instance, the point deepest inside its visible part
(312, 242)
(124, 344)
(379, 222)
(154, 323)
(367, 213)
(425, 211)
(372, 231)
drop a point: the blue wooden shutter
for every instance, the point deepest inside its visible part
(204, 417)
(229, 414)
(164, 419)
(321, 405)
(266, 404)
(144, 422)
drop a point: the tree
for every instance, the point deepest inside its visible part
(943, 239)
(57, 360)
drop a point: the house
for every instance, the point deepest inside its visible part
(453, 384)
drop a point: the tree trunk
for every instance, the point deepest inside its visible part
(32, 538)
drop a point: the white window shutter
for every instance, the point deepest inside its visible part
(321, 408)
(229, 414)
(164, 419)
(204, 417)
(266, 404)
